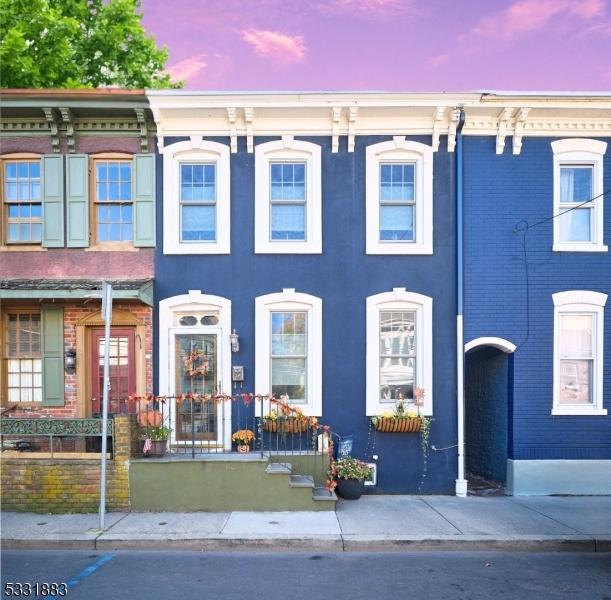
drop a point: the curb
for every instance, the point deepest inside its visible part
(314, 544)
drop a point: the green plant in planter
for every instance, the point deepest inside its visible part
(159, 433)
(348, 477)
(351, 468)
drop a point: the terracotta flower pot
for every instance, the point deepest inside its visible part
(398, 425)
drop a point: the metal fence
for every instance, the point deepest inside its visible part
(205, 424)
(54, 436)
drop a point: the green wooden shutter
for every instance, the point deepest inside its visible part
(52, 201)
(78, 200)
(144, 200)
(52, 356)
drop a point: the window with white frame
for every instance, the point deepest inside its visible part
(399, 197)
(399, 350)
(578, 353)
(22, 201)
(196, 199)
(289, 348)
(578, 184)
(288, 197)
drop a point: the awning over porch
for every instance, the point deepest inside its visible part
(68, 289)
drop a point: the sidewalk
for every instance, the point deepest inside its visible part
(373, 523)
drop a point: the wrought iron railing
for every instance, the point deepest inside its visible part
(53, 435)
(199, 424)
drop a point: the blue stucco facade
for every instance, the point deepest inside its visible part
(343, 276)
(507, 300)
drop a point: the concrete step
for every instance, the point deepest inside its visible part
(321, 494)
(278, 468)
(304, 481)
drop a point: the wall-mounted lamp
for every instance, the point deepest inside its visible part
(235, 341)
(70, 361)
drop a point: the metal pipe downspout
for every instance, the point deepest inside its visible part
(461, 482)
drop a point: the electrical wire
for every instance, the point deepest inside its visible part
(524, 229)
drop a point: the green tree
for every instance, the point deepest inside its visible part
(78, 43)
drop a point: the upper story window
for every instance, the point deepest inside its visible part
(399, 350)
(578, 183)
(288, 201)
(399, 197)
(113, 201)
(288, 343)
(22, 201)
(578, 353)
(196, 202)
(288, 197)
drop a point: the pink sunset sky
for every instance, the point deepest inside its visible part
(394, 45)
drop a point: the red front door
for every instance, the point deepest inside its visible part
(122, 369)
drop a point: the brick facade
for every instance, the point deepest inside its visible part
(70, 485)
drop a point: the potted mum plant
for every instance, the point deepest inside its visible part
(243, 438)
(155, 440)
(350, 474)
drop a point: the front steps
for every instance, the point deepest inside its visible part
(226, 483)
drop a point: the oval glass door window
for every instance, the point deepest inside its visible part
(188, 321)
(209, 320)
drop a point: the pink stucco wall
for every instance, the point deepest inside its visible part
(75, 262)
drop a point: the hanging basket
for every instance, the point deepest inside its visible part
(293, 425)
(398, 425)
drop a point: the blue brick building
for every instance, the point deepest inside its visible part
(322, 230)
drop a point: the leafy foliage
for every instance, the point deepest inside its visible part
(78, 44)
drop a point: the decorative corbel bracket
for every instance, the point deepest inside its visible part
(67, 120)
(157, 116)
(233, 131)
(503, 125)
(336, 113)
(518, 130)
(53, 127)
(452, 129)
(440, 114)
(353, 113)
(248, 118)
(144, 137)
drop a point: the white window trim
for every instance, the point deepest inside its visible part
(288, 149)
(400, 150)
(195, 150)
(578, 151)
(580, 301)
(399, 299)
(289, 300)
(194, 300)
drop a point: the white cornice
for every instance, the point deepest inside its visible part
(344, 114)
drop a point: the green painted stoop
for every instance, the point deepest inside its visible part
(224, 484)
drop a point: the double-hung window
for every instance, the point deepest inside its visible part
(23, 358)
(289, 355)
(288, 201)
(22, 201)
(288, 340)
(578, 204)
(399, 353)
(397, 202)
(399, 197)
(578, 348)
(196, 200)
(288, 217)
(113, 199)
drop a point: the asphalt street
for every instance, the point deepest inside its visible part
(196, 575)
